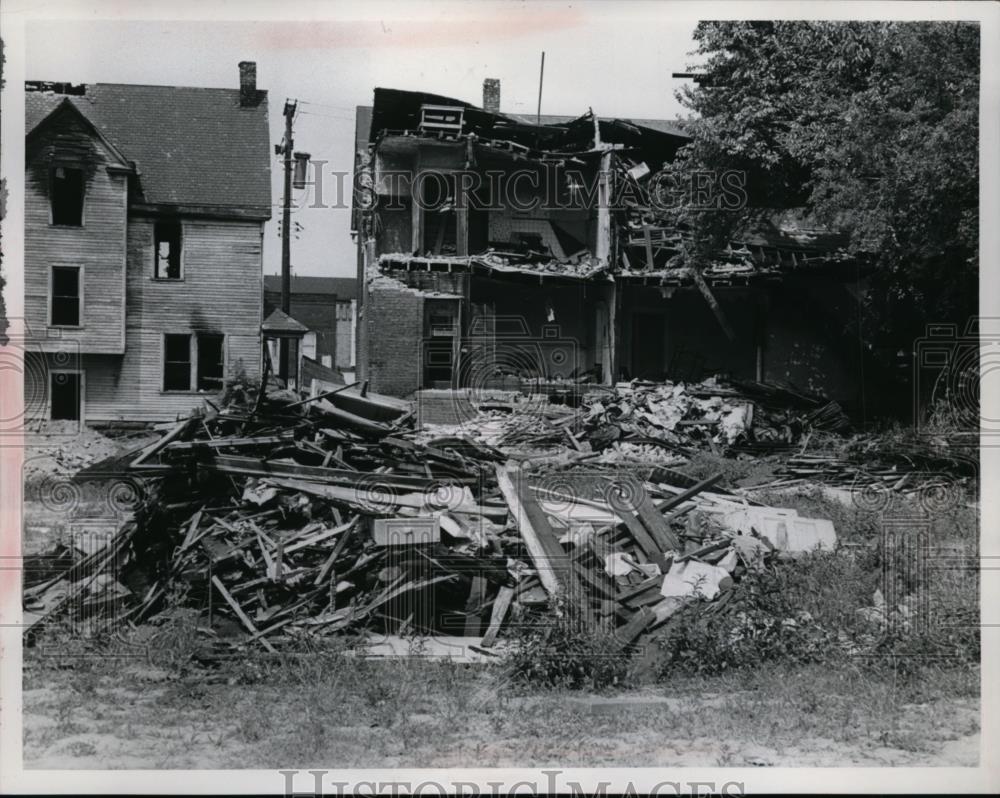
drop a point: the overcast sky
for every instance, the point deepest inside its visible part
(616, 59)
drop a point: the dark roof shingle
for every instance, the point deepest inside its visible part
(191, 146)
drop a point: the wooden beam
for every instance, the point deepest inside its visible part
(624, 635)
(500, 606)
(713, 303)
(647, 240)
(539, 553)
(680, 498)
(240, 614)
(641, 537)
(657, 525)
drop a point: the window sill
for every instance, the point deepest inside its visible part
(67, 226)
(167, 279)
(66, 327)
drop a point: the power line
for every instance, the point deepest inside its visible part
(326, 105)
(328, 116)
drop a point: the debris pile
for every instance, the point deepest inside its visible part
(641, 417)
(278, 518)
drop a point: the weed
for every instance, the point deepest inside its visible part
(566, 652)
(78, 748)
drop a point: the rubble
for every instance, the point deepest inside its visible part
(288, 517)
(715, 413)
(285, 518)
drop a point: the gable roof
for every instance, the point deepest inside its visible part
(280, 323)
(65, 106)
(344, 288)
(191, 146)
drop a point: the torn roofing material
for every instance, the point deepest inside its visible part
(397, 110)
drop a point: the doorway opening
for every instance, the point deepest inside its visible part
(65, 396)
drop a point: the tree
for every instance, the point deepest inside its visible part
(871, 127)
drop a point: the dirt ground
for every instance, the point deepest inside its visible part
(141, 716)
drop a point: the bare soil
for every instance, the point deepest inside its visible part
(141, 716)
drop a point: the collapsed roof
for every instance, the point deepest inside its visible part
(649, 245)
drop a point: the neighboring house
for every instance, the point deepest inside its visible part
(327, 307)
(144, 218)
(568, 270)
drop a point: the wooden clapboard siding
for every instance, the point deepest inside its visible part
(220, 293)
(98, 246)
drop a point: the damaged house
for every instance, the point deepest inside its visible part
(144, 218)
(495, 252)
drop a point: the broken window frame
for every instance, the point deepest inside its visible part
(206, 383)
(82, 199)
(166, 276)
(78, 297)
(176, 363)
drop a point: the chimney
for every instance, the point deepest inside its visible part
(491, 95)
(248, 84)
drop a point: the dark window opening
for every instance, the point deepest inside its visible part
(439, 218)
(64, 396)
(211, 362)
(66, 296)
(66, 195)
(167, 244)
(177, 363)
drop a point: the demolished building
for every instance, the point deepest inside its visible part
(495, 250)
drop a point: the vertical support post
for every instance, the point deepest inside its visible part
(603, 249)
(416, 209)
(286, 237)
(541, 78)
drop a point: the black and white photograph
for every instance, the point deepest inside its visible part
(499, 398)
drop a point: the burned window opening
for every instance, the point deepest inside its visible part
(177, 362)
(65, 296)
(211, 361)
(64, 396)
(66, 189)
(167, 248)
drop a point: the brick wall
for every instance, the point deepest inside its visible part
(394, 318)
(448, 283)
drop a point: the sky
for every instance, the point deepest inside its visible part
(616, 59)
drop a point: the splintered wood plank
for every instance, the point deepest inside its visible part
(234, 605)
(680, 498)
(539, 553)
(312, 541)
(657, 525)
(642, 538)
(590, 577)
(500, 606)
(637, 624)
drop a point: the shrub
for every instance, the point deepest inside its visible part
(763, 620)
(564, 651)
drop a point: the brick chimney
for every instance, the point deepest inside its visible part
(248, 84)
(491, 95)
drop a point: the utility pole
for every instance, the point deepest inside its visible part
(541, 77)
(286, 237)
